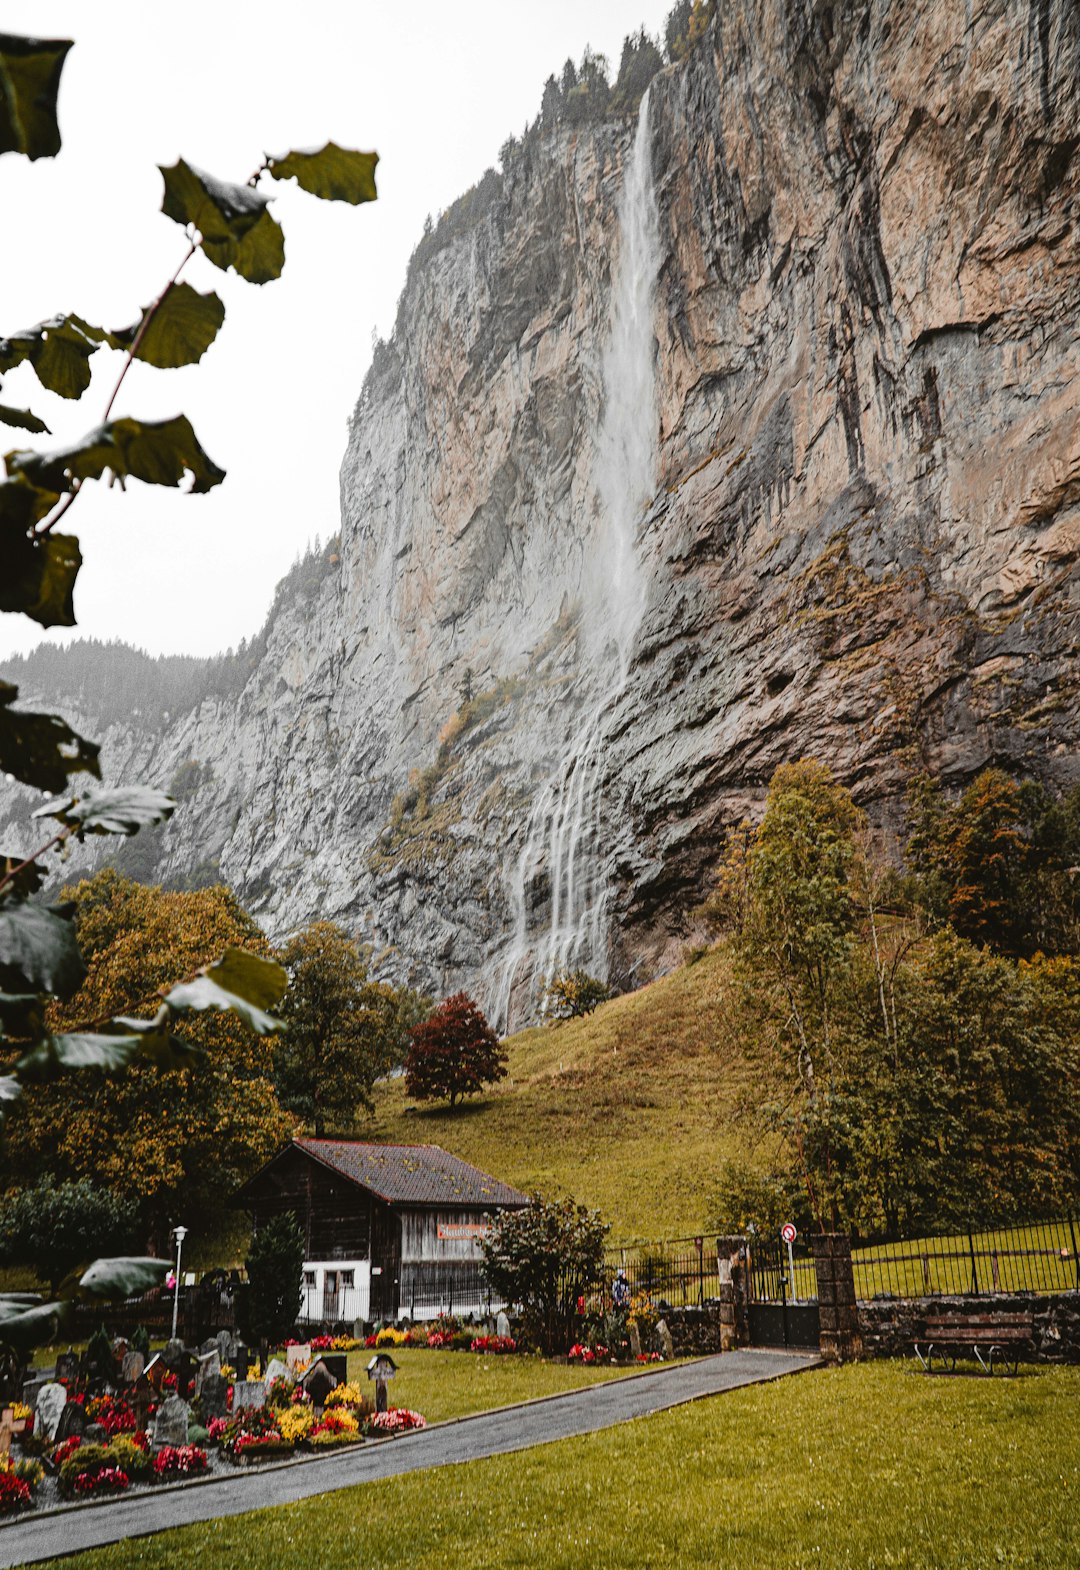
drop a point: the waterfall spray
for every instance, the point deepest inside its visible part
(564, 829)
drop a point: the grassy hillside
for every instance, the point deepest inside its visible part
(631, 1110)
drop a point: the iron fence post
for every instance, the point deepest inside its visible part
(974, 1271)
(1076, 1256)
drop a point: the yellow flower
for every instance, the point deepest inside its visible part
(295, 1422)
(345, 1395)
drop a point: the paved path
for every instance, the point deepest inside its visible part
(33, 1538)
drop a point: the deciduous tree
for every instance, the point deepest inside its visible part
(453, 1054)
(544, 1258)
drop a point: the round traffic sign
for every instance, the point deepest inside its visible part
(788, 1232)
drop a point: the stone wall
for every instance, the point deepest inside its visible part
(695, 1332)
(891, 1326)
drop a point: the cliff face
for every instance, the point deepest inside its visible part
(863, 543)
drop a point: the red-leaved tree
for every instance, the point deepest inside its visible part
(454, 1053)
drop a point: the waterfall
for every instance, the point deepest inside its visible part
(563, 831)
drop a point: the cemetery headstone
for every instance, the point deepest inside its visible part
(338, 1364)
(71, 1423)
(275, 1369)
(667, 1346)
(187, 1368)
(171, 1422)
(31, 1387)
(94, 1434)
(210, 1345)
(318, 1382)
(502, 1324)
(51, 1401)
(7, 1428)
(141, 1403)
(67, 1365)
(131, 1369)
(635, 1339)
(298, 1356)
(209, 1363)
(215, 1396)
(381, 1369)
(172, 1353)
(227, 1347)
(249, 1392)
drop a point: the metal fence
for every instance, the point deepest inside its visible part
(682, 1273)
(451, 1287)
(1038, 1256)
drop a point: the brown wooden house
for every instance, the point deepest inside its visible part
(389, 1230)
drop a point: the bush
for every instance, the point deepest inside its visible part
(571, 995)
(275, 1268)
(545, 1257)
(56, 1226)
(130, 1456)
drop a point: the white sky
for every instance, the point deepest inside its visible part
(436, 88)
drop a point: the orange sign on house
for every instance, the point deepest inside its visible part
(461, 1229)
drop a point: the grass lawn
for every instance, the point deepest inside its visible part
(442, 1385)
(852, 1469)
(630, 1111)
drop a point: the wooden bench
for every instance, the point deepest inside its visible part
(947, 1335)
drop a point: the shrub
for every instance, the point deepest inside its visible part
(275, 1268)
(130, 1456)
(86, 1461)
(545, 1257)
(571, 995)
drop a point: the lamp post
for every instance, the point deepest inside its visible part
(179, 1233)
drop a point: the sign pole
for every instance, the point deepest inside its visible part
(789, 1234)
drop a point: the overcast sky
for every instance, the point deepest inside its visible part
(435, 88)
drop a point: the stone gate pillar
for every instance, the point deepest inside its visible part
(840, 1334)
(734, 1292)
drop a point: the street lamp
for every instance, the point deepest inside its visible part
(179, 1233)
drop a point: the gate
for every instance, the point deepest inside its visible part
(783, 1305)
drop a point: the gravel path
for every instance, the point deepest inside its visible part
(43, 1536)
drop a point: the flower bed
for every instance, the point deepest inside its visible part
(102, 1480)
(173, 1461)
(15, 1493)
(399, 1420)
(493, 1345)
(587, 1354)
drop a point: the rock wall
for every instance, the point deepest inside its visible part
(863, 546)
(890, 1327)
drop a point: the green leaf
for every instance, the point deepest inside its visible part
(233, 221)
(38, 951)
(29, 83)
(158, 1045)
(26, 1328)
(41, 749)
(59, 350)
(334, 173)
(22, 505)
(181, 330)
(205, 993)
(123, 809)
(160, 452)
(118, 1278)
(249, 976)
(24, 419)
(40, 573)
(55, 1055)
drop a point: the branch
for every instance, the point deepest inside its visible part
(57, 839)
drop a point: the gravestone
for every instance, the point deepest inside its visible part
(318, 1382)
(244, 1359)
(141, 1403)
(663, 1334)
(248, 1392)
(337, 1364)
(67, 1365)
(131, 1369)
(31, 1386)
(502, 1324)
(209, 1364)
(171, 1422)
(51, 1401)
(295, 1356)
(7, 1429)
(635, 1340)
(227, 1346)
(94, 1434)
(71, 1423)
(210, 1345)
(215, 1396)
(275, 1369)
(172, 1352)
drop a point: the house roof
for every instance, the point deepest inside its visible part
(411, 1174)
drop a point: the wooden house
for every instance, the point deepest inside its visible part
(389, 1230)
